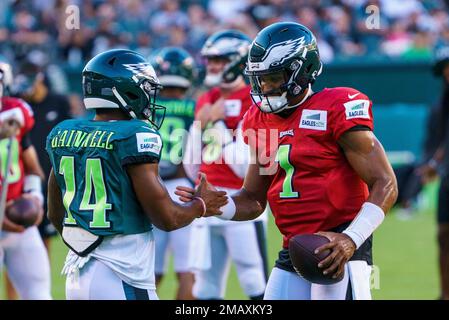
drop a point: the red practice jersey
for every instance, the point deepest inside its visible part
(17, 109)
(313, 187)
(236, 104)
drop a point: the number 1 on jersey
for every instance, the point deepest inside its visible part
(283, 156)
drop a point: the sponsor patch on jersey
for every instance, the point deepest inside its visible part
(233, 107)
(148, 142)
(313, 119)
(357, 109)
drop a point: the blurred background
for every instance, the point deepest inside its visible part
(383, 48)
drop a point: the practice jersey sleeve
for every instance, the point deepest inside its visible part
(248, 128)
(351, 109)
(143, 145)
(20, 111)
(28, 116)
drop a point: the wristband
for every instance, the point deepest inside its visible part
(367, 220)
(33, 185)
(204, 206)
(228, 210)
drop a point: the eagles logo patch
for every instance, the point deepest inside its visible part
(143, 69)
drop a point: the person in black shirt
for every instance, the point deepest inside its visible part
(439, 165)
(49, 109)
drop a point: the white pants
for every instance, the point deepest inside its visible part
(284, 285)
(26, 260)
(240, 242)
(176, 241)
(96, 281)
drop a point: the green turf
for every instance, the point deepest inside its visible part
(405, 253)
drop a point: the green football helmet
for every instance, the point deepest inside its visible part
(285, 50)
(230, 44)
(6, 76)
(174, 67)
(123, 79)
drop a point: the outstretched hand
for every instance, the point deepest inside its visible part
(213, 199)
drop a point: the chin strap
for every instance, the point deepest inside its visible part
(123, 103)
(308, 94)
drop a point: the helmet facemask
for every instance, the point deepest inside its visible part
(292, 85)
(154, 113)
(132, 102)
(288, 49)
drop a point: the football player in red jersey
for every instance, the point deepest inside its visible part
(329, 174)
(21, 247)
(217, 242)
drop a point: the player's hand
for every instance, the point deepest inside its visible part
(342, 248)
(185, 194)
(9, 128)
(427, 173)
(39, 203)
(213, 199)
(217, 111)
(10, 226)
(203, 116)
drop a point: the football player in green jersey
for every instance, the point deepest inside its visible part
(175, 69)
(105, 192)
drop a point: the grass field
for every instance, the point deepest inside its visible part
(405, 253)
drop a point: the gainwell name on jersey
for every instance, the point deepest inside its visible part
(80, 139)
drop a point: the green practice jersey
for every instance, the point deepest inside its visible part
(179, 116)
(89, 161)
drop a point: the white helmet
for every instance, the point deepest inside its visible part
(6, 77)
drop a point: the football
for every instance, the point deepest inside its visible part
(23, 211)
(301, 249)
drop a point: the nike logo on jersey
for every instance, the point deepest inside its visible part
(357, 109)
(353, 95)
(313, 119)
(286, 133)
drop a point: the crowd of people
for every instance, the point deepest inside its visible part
(345, 28)
(28, 33)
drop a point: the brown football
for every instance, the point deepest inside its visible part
(305, 261)
(23, 211)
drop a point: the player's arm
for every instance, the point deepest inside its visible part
(163, 212)
(246, 204)
(34, 175)
(192, 151)
(429, 170)
(251, 200)
(56, 210)
(367, 157)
